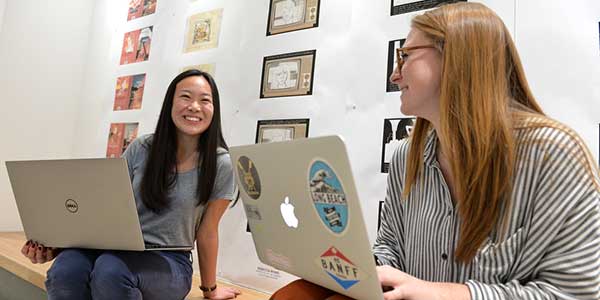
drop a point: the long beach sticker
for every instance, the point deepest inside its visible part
(340, 268)
(328, 196)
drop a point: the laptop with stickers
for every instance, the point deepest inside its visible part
(79, 203)
(304, 213)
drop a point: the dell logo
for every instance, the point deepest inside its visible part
(71, 205)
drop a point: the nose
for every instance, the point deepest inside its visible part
(396, 76)
(194, 106)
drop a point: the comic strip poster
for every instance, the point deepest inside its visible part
(404, 6)
(289, 74)
(129, 92)
(203, 30)
(119, 137)
(292, 15)
(136, 46)
(394, 130)
(140, 8)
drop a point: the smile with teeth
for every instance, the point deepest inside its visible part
(191, 118)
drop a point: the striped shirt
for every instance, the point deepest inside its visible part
(551, 249)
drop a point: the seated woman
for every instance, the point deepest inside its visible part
(488, 198)
(183, 182)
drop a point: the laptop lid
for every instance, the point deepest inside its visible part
(304, 213)
(83, 203)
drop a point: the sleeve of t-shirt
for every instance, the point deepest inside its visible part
(224, 183)
(132, 155)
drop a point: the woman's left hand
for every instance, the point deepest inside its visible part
(401, 286)
(222, 293)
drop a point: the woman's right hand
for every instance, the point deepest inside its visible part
(38, 253)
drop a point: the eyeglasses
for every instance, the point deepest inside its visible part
(400, 54)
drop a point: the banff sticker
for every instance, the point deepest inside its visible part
(328, 196)
(340, 268)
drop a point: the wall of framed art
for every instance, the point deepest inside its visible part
(280, 66)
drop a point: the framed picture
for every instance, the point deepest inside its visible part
(203, 30)
(394, 130)
(129, 92)
(292, 15)
(404, 6)
(289, 74)
(136, 46)
(278, 131)
(119, 137)
(140, 8)
(208, 68)
(392, 63)
(281, 130)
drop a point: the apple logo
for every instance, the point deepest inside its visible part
(287, 212)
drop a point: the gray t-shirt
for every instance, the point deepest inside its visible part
(176, 225)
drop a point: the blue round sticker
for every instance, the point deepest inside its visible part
(328, 196)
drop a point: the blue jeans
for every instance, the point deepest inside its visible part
(99, 274)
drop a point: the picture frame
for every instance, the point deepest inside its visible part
(129, 92)
(292, 15)
(281, 130)
(120, 135)
(203, 30)
(289, 74)
(136, 46)
(140, 8)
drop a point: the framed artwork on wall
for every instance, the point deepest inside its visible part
(119, 137)
(136, 46)
(140, 8)
(292, 15)
(289, 74)
(203, 30)
(129, 92)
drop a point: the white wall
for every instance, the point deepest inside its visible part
(42, 50)
(2, 7)
(558, 44)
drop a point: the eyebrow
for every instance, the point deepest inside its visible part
(189, 92)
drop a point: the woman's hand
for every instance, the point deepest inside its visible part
(222, 293)
(38, 253)
(399, 285)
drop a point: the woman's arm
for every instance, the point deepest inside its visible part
(207, 241)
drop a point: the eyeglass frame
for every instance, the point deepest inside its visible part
(400, 60)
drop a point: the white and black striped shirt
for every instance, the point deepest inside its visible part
(551, 249)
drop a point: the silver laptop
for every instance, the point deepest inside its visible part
(304, 213)
(79, 203)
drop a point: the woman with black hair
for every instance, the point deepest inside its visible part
(183, 182)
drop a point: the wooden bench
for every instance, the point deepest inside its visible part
(14, 262)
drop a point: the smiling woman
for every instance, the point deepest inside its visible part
(182, 181)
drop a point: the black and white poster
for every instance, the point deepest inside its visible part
(392, 63)
(394, 130)
(403, 6)
(289, 74)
